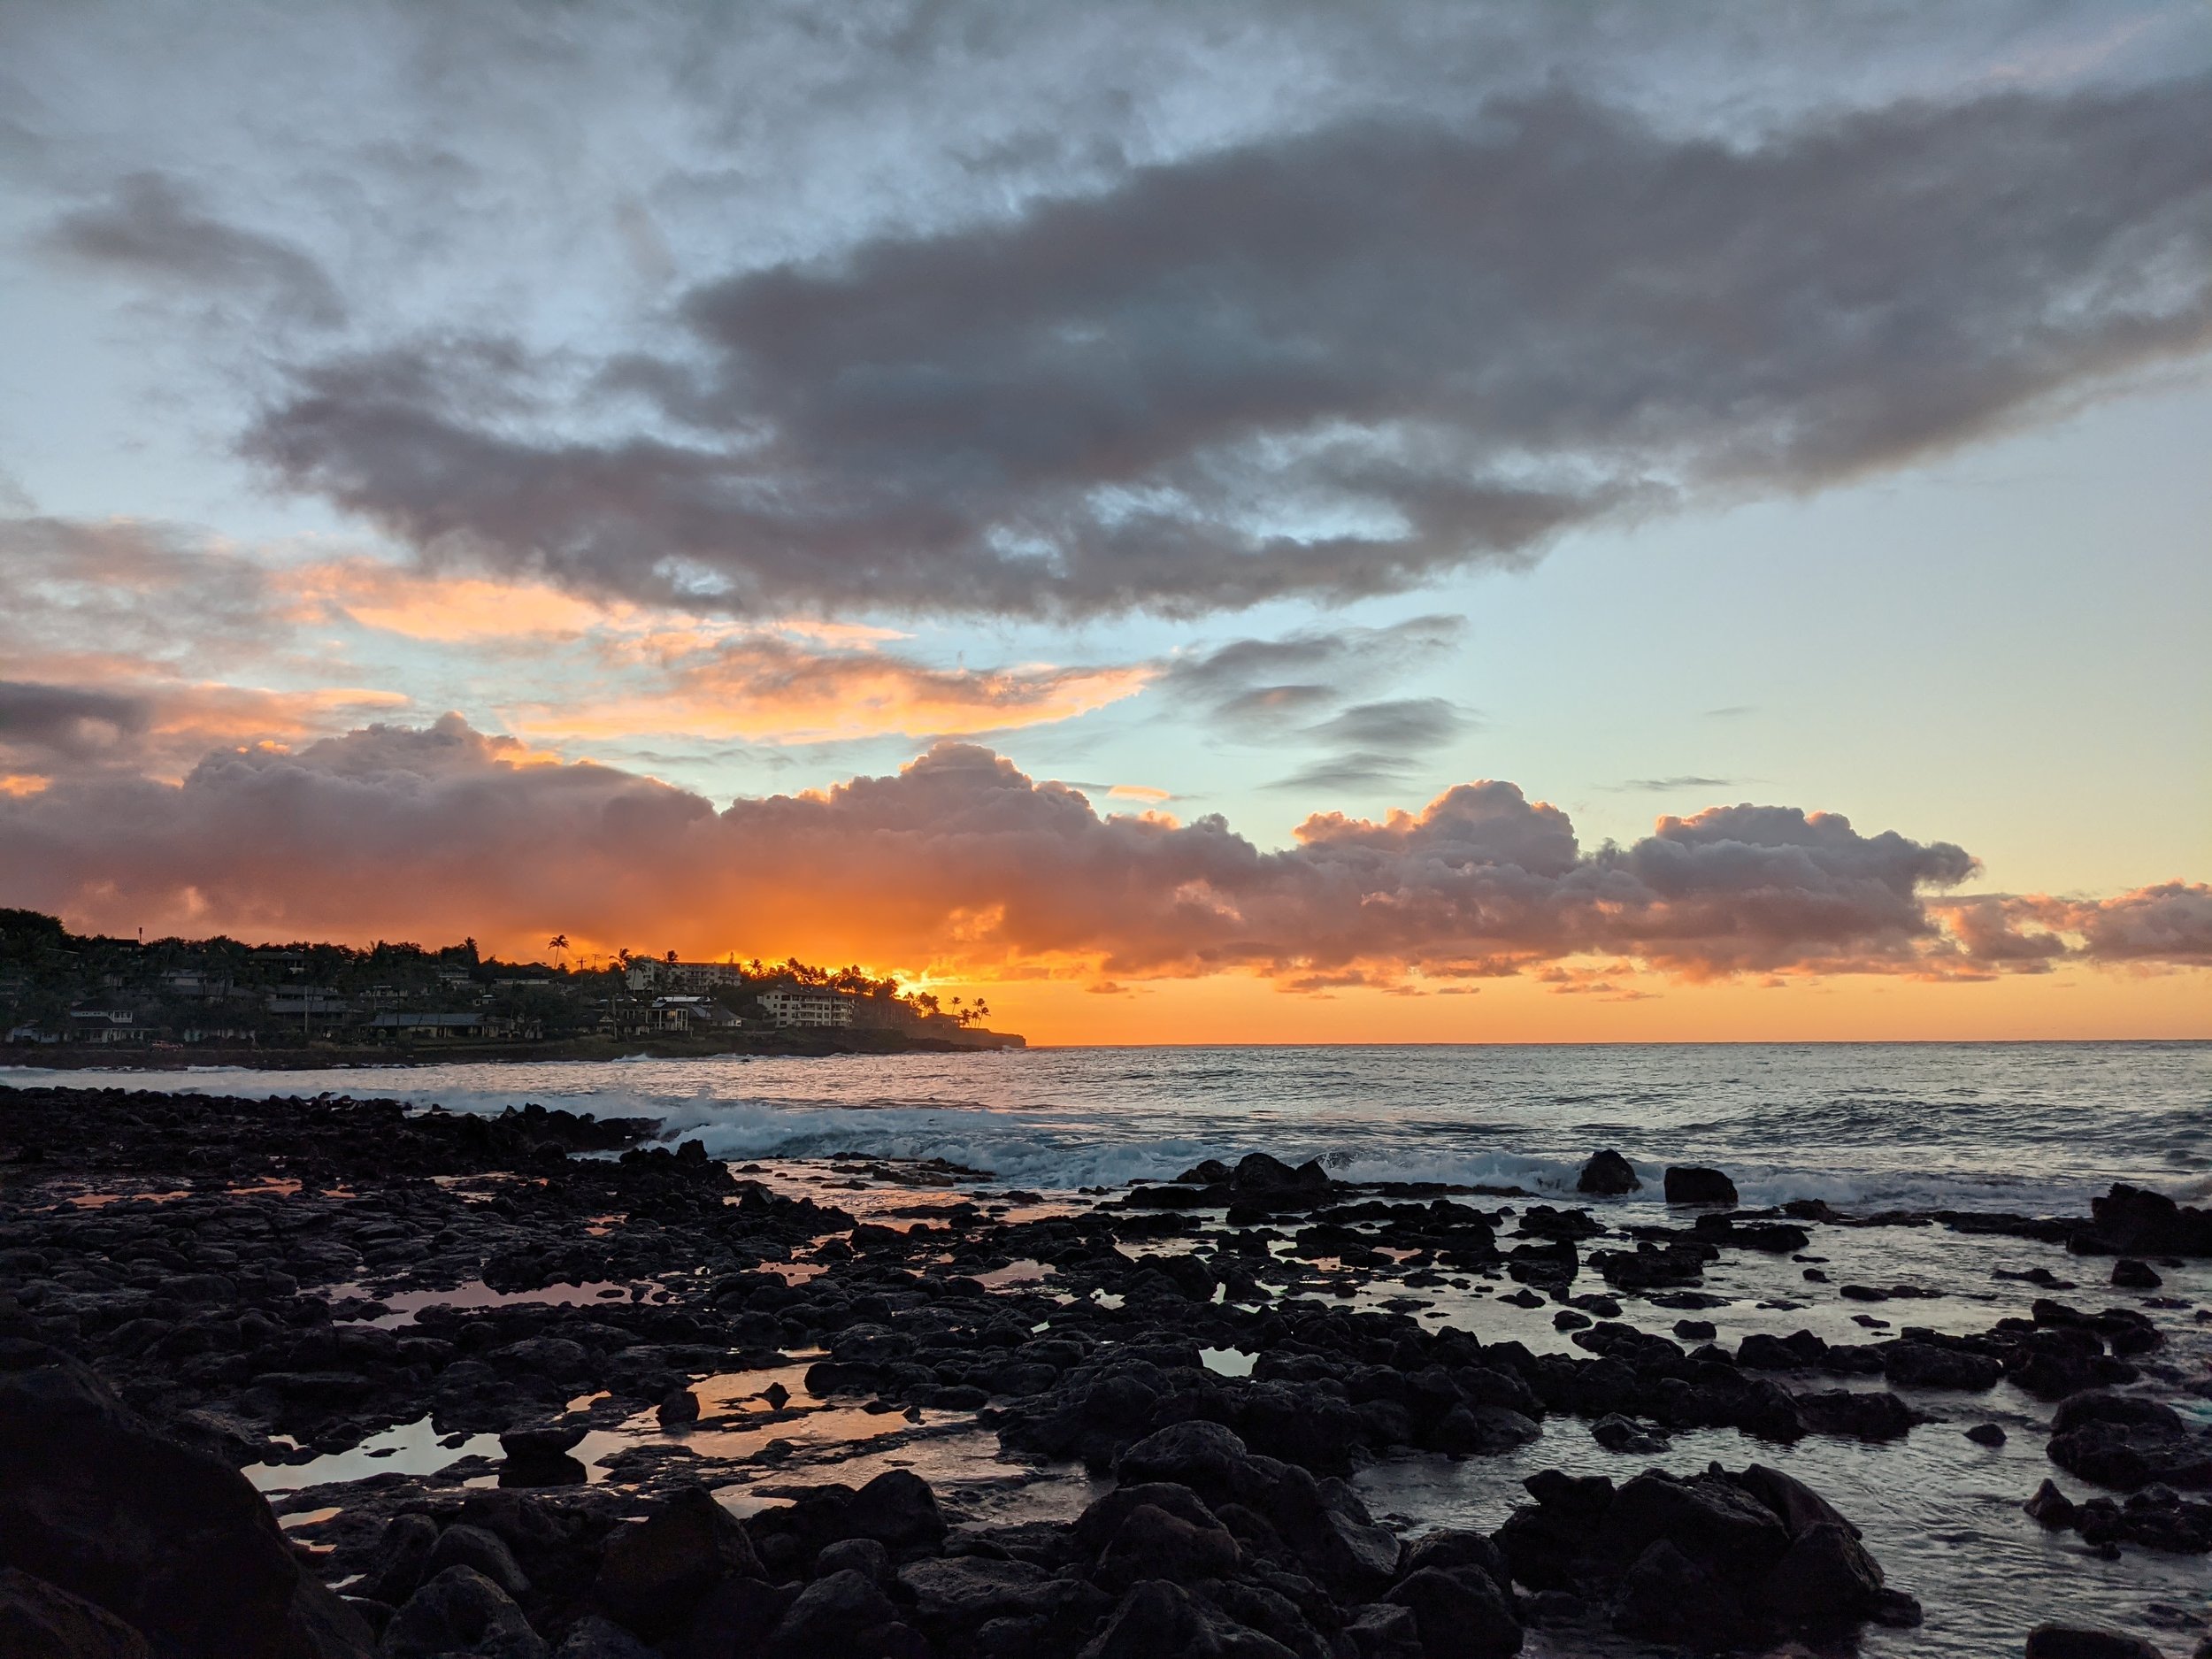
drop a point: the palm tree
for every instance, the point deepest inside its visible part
(558, 945)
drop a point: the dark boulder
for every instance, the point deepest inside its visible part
(1987, 1434)
(1458, 1614)
(897, 1510)
(1151, 1543)
(1707, 1518)
(474, 1547)
(461, 1612)
(833, 1617)
(1691, 1184)
(1927, 1365)
(38, 1621)
(2134, 1221)
(1453, 1550)
(1874, 1415)
(403, 1551)
(2066, 1641)
(171, 1540)
(2126, 1441)
(1155, 1620)
(1258, 1173)
(655, 1571)
(593, 1637)
(2129, 1274)
(1825, 1577)
(1665, 1596)
(864, 1555)
(1607, 1174)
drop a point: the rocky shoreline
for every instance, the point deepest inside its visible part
(1172, 1388)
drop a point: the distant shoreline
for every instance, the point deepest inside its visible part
(320, 1057)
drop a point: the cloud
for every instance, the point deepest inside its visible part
(67, 721)
(149, 226)
(1667, 785)
(1329, 364)
(2168, 924)
(765, 688)
(959, 860)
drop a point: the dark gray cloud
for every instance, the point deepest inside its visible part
(1329, 364)
(69, 722)
(151, 227)
(1667, 785)
(1270, 682)
(1402, 723)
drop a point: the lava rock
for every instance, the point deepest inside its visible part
(2067, 1641)
(655, 1571)
(1609, 1174)
(1458, 1614)
(1692, 1184)
(592, 1637)
(38, 1621)
(2129, 1274)
(171, 1540)
(461, 1612)
(2126, 1441)
(897, 1510)
(485, 1552)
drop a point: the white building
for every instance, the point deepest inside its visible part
(647, 975)
(807, 1008)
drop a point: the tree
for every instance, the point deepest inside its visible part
(558, 945)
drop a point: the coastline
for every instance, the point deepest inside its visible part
(409, 1326)
(322, 1055)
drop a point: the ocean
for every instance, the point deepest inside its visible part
(2038, 1127)
(2032, 1127)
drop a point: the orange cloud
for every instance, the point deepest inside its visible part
(769, 690)
(960, 864)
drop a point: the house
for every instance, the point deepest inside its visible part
(428, 1024)
(105, 1024)
(196, 982)
(809, 1008)
(689, 1014)
(35, 1034)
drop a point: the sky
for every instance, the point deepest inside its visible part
(1203, 524)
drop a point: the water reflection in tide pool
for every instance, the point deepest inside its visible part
(1941, 1513)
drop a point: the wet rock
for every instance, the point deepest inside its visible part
(1152, 1544)
(655, 1571)
(403, 1550)
(1617, 1433)
(1607, 1174)
(461, 1612)
(897, 1510)
(1692, 1184)
(171, 1540)
(551, 1440)
(2127, 1442)
(2067, 1641)
(1452, 1550)
(678, 1409)
(1665, 1596)
(1259, 1173)
(592, 1637)
(838, 1616)
(2134, 1221)
(1154, 1620)
(38, 1621)
(2050, 1508)
(1458, 1614)
(1383, 1631)
(1987, 1434)
(483, 1551)
(960, 1592)
(1825, 1579)
(863, 1556)
(1875, 1415)
(1927, 1365)
(2129, 1274)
